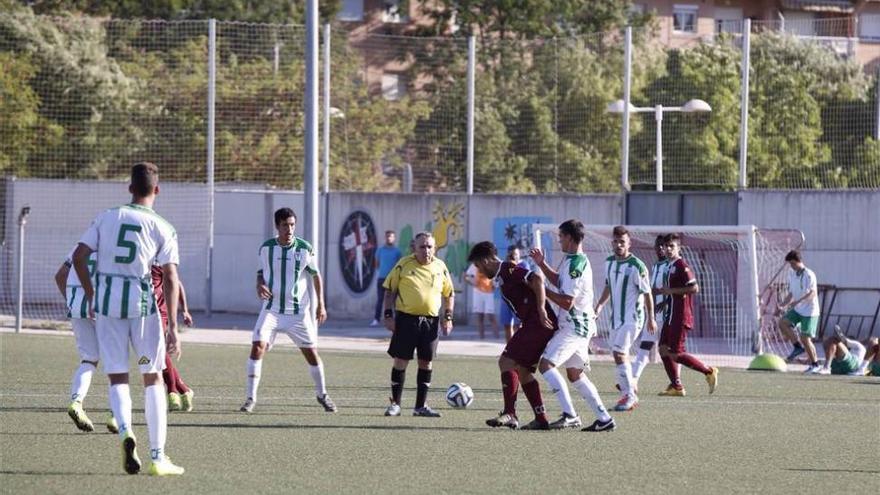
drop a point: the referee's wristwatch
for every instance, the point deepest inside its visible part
(388, 313)
(447, 316)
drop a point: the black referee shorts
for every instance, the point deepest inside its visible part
(414, 333)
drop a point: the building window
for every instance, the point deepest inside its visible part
(799, 23)
(394, 12)
(393, 86)
(869, 26)
(728, 20)
(684, 18)
(351, 11)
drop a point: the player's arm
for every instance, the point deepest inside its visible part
(171, 287)
(561, 300)
(61, 277)
(606, 293)
(691, 288)
(536, 283)
(391, 283)
(184, 307)
(552, 275)
(448, 304)
(81, 266)
(320, 310)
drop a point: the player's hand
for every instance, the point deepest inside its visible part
(321, 314)
(596, 310)
(263, 292)
(652, 326)
(389, 324)
(187, 319)
(537, 255)
(172, 342)
(545, 320)
(445, 327)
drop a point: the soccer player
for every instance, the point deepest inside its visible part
(417, 288)
(180, 396)
(483, 304)
(871, 364)
(128, 240)
(801, 308)
(510, 322)
(86, 342)
(386, 257)
(628, 288)
(680, 292)
(842, 355)
(524, 292)
(659, 279)
(288, 262)
(570, 345)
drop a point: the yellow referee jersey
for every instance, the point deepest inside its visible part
(419, 287)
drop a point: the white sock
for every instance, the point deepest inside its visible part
(156, 412)
(590, 394)
(82, 379)
(317, 373)
(254, 367)
(639, 363)
(625, 379)
(120, 404)
(560, 388)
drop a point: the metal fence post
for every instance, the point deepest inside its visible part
(310, 168)
(19, 306)
(212, 95)
(627, 78)
(471, 90)
(744, 106)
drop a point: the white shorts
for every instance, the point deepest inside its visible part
(568, 350)
(86, 339)
(654, 337)
(623, 337)
(300, 329)
(146, 338)
(483, 302)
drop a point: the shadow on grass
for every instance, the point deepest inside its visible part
(823, 470)
(328, 427)
(57, 473)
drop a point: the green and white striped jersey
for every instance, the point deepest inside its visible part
(576, 281)
(660, 279)
(77, 304)
(628, 280)
(128, 240)
(287, 271)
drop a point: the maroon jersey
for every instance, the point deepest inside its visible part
(515, 290)
(681, 308)
(156, 273)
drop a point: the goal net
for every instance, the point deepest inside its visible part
(741, 272)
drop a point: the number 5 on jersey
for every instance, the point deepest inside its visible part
(126, 244)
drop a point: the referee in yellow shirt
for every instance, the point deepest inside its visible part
(416, 287)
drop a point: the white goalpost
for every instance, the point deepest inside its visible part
(740, 270)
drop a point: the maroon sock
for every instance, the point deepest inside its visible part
(168, 376)
(671, 371)
(509, 389)
(693, 363)
(533, 393)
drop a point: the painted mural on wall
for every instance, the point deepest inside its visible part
(447, 225)
(519, 232)
(357, 251)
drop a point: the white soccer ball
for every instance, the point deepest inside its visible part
(459, 395)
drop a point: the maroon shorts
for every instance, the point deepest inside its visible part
(673, 336)
(527, 344)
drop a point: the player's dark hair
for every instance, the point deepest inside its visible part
(144, 179)
(389, 232)
(619, 231)
(573, 228)
(659, 241)
(794, 255)
(282, 214)
(481, 251)
(673, 237)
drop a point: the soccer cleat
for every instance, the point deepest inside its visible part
(112, 427)
(130, 461)
(712, 379)
(374, 323)
(838, 332)
(76, 413)
(627, 403)
(825, 371)
(186, 401)
(174, 402)
(566, 421)
(426, 412)
(327, 402)
(248, 406)
(503, 419)
(164, 467)
(671, 391)
(635, 389)
(598, 425)
(812, 369)
(393, 409)
(797, 351)
(535, 425)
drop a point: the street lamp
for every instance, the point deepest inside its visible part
(690, 107)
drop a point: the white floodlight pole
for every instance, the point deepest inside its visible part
(658, 116)
(310, 181)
